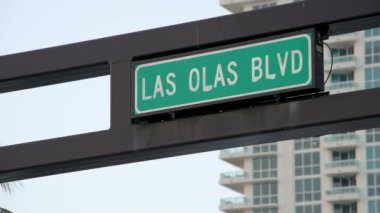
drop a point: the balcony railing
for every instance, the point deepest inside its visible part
(343, 163)
(343, 190)
(242, 175)
(223, 2)
(249, 150)
(341, 137)
(248, 202)
(342, 85)
(341, 59)
(234, 201)
(233, 175)
(237, 150)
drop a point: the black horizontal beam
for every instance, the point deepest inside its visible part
(271, 120)
(249, 126)
(126, 142)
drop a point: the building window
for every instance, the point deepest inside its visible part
(342, 52)
(343, 155)
(307, 163)
(265, 210)
(372, 32)
(344, 77)
(264, 167)
(308, 190)
(339, 182)
(308, 209)
(373, 157)
(372, 77)
(373, 135)
(264, 193)
(372, 52)
(264, 5)
(306, 143)
(374, 206)
(345, 208)
(373, 181)
(262, 148)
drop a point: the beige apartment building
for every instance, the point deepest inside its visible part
(337, 173)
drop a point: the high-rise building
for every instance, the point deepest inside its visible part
(337, 173)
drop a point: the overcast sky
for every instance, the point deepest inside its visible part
(184, 184)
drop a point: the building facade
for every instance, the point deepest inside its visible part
(337, 173)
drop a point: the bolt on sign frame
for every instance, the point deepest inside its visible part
(127, 141)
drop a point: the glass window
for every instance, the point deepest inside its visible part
(372, 32)
(273, 163)
(307, 163)
(265, 193)
(373, 181)
(343, 155)
(344, 181)
(376, 47)
(308, 209)
(265, 163)
(373, 135)
(374, 206)
(345, 208)
(306, 143)
(368, 48)
(342, 77)
(299, 186)
(262, 148)
(373, 157)
(307, 160)
(273, 147)
(264, 167)
(372, 52)
(308, 189)
(316, 158)
(340, 52)
(299, 209)
(317, 183)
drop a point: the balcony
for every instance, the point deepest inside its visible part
(236, 156)
(341, 63)
(234, 6)
(343, 40)
(226, 2)
(342, 168)
(236, 180)
(240, 204)
(341, 141)
(343, 194)
(236, 152)
(343, 86)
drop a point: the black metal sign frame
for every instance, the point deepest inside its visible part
(315, 86)
(126, 142)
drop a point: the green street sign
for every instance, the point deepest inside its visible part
(249, 70)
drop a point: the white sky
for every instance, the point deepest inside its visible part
(184, 184)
